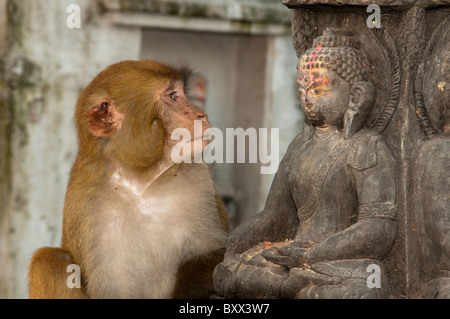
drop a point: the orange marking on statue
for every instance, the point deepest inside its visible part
(267, 244)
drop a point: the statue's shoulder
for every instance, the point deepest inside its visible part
(365, 148)
(434, 155)
(299, 141)
(295, 147)
(438, 145)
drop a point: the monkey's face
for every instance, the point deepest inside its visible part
(131, 110)
(178, 112)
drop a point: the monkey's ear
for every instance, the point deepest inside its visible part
(104, 118)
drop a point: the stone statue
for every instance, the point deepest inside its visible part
(432, 170)
(331, 214)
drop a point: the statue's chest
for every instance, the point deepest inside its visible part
(313, 166)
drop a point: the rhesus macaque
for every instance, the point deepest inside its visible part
(137, 224)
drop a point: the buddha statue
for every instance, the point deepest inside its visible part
(330, 215)
(431, 178)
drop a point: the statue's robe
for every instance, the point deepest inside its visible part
(329, 191)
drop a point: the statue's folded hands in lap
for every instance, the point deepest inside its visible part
(331, 211)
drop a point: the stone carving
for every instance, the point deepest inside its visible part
(331, 212)
(303, 30)
(387, 3)
(391, 103)
(432, 170)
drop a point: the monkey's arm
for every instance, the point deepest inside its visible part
(373, 235)
(276, 222)
(223, 214)
(195, 276)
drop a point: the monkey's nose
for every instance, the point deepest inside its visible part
(204, 118)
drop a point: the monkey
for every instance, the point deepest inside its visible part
(137, 224)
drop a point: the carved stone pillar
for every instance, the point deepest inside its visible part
(409, 59)
(370, 194)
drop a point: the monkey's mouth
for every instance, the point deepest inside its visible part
(204, 136)
(201, 139)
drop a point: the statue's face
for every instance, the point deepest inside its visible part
(324, 96)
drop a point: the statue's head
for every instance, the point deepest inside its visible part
(332, 80)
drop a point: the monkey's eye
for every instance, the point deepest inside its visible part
(173, 96)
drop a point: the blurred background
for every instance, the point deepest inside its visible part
(244, 62)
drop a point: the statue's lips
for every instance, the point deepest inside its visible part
(315, 118)
(312, 114)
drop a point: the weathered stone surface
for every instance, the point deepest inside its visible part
(266, 11)
(336, 183)
(397, 214)
(431, 178)
(387, 3)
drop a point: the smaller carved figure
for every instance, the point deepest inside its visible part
(432, 170)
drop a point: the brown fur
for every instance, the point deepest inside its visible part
(131, 216)
(51, 263)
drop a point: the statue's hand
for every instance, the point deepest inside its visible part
(288, 256)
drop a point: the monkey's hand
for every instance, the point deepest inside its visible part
(289, 256)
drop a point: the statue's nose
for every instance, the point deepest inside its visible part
(308, 103)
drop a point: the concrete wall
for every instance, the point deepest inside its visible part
(45, 68)
(282, 104)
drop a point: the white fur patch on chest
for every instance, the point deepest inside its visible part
(144, 235)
